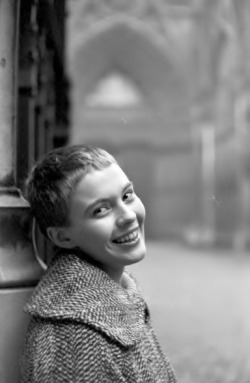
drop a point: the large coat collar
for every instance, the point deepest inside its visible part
(76, 290)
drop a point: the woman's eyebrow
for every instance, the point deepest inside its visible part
(128, 184)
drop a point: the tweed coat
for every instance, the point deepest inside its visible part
(87, 328)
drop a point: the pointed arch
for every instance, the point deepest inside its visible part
(128, 47)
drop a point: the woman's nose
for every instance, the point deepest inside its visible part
(126, 215)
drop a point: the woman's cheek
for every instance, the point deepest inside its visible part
(141, 211)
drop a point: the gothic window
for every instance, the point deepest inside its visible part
(114, 91)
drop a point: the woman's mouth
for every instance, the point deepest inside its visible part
(132, 236)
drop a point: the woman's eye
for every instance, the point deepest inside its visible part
(100, 211)
(129, 195)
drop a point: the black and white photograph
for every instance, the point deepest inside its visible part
(124, 191)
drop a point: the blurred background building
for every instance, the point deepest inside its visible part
(162, 84)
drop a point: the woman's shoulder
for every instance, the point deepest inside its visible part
(81, 293)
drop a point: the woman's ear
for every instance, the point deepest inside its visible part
(59, 236)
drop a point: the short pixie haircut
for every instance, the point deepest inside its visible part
(51, 182)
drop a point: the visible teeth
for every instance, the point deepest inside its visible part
(128, 238)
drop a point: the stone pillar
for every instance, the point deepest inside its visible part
(19, 270)
(203, 121)
(241, 123)
(8, 49)
(15, 246)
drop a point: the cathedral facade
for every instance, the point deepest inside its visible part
(162, 85)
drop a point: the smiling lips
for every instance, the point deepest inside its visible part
(131, 237)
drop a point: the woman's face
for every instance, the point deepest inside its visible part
(107, 219)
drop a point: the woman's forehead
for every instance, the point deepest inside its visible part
(101, 183)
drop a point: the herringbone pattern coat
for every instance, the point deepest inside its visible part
(87, 328)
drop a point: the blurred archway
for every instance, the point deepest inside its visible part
(149, 129)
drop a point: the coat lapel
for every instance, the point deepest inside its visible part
(76, 290)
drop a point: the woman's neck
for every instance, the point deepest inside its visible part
(114, 273)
